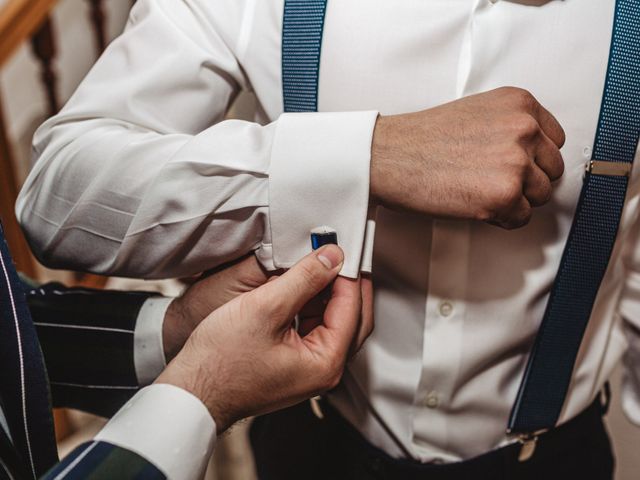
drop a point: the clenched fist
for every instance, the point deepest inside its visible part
(489, 157)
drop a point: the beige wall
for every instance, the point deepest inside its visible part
(25, 108)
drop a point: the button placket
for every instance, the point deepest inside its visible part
(442, 345)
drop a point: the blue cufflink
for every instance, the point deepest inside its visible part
(323, 236)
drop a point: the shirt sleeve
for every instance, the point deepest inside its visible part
(140, 175)
(167, 426)
(148, 346)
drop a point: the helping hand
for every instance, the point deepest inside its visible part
(210, 292)
(246, 359)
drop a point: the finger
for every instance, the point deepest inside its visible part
(308, 325)
(311, 314)
(292, 290)
(366, 317)
(518, 217)
(537, 187)
(334, 337)
(549, 158)
(550, 125)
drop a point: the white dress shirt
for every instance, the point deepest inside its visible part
(140, 175)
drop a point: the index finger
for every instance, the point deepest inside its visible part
(550, 125)
(341, 320)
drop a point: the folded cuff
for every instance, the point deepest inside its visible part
(167, 426)
(148, 350)
(319, 176)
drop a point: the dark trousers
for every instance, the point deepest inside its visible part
(295, 444)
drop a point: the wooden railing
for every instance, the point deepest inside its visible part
(30, 21)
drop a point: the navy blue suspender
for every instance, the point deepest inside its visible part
(593, 234)
(301, 43)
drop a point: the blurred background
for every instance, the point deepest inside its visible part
(46, 48)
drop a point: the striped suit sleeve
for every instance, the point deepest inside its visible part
(87, 338)
(101, 460)
(163, 431)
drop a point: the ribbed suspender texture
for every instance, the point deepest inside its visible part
(301, 44)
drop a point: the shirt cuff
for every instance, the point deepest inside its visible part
(148, 350)
(319, 176)
(167, 426)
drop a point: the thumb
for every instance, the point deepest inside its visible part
(306, 279)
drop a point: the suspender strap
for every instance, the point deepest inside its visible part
(586, 256)
(301, 44)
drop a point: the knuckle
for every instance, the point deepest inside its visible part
(525, 126)
(558, 168)
(521, 165)
(371, 326)
(521, 219)
(485, 215)
(511, 192)
(542, 196)
(509, 91)
(562, 137)
(333, 380)
(331, 370)
(258, 303)
(523, 98)
(526, 217)
(309, 275)
(252, 302)
(546, 192)
(504, 196)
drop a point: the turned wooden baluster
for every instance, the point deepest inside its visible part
(8, 193)
(98, 21)
(44, 48)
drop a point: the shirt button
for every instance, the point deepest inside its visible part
(446, 309)
(432, 400)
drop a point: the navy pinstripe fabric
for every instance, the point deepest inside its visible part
(588, 250)
(301, 44)
(23, 382)
(102, 460)
(87, 338)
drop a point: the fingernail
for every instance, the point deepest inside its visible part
(331, 256)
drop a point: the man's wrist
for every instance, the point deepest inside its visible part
(380, 146)
(190, 376)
